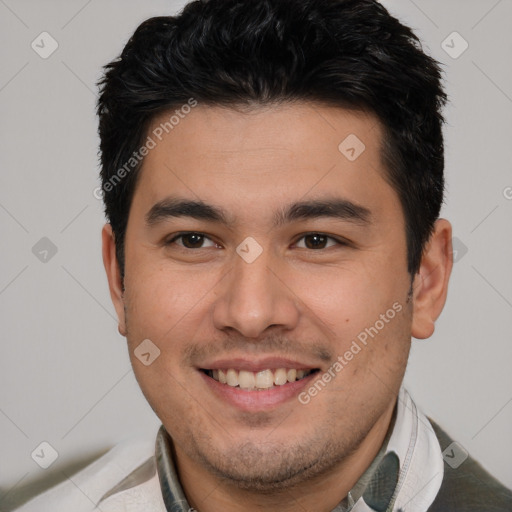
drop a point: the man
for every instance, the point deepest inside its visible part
(273, 175)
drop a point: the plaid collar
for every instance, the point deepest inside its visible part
(405, 475)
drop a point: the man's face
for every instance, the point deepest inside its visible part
(279, 289)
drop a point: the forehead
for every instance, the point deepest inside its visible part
(259, 159)
(264, 130)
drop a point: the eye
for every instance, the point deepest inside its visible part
(192, 241)
(317, 241)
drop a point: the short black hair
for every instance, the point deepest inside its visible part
(246, 53)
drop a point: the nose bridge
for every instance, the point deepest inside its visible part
(253, 298)
(251, 281)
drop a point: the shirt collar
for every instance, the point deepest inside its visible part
(405, 475)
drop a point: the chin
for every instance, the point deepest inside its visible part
(271, 467)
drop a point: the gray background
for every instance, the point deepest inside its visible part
(65, 376)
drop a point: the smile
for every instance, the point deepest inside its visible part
(258, 381)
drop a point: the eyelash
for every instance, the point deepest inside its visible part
(312, 233)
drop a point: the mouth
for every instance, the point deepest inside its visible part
(262, 380)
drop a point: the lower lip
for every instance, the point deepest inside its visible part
(253, 401)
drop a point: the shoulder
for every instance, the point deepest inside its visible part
(82, 491)
(467, 486)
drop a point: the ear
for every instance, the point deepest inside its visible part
(430, 285)
(113, 275)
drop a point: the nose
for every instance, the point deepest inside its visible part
(254, 297)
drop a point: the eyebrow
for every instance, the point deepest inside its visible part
(337, 208)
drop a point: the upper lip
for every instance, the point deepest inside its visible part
(256, 365)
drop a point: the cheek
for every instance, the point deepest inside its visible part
(348, 300)
(368, 317)
(158, 298)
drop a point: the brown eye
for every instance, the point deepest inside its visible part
(192, 241)
(317, 241)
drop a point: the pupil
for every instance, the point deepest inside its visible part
(192, 240)
(319, 240)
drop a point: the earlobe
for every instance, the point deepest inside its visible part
(430, 285)
(113, 275)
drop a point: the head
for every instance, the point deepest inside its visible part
(272, 173)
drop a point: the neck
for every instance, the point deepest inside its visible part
(206, 492)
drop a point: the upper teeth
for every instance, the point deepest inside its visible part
(264, 379)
